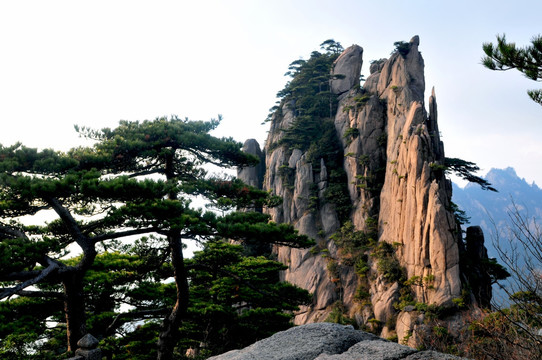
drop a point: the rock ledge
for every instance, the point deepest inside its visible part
(323, 341)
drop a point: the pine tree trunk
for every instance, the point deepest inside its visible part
(74, 310)
(170, 326)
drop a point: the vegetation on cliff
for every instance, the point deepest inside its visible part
(309, 96)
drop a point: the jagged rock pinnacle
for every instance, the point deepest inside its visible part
(392, 161)
(348, 64)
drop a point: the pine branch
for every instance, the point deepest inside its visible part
(114, 235)
(116, 323)
(53, 266)
(42, 294)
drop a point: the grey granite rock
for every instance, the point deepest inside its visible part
(301, 343)
(88, 342)
(430, 355)
(372, 350)
(348, 66)
(253, 175)
(327, 341)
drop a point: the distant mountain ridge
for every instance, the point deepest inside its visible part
(489, 209)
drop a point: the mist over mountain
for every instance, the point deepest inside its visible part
(490, 209)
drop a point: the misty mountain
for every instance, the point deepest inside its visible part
(490, 209)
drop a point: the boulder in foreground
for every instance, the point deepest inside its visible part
(323, 341)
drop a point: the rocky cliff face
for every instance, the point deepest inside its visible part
(399, 224)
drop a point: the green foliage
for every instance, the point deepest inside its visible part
(257, 227)
(460, 215)
(387, 264)
(338, 315)
(351, 241)
(337, 193)
(362, 99)
(313, 130)
(459, 302)
(237, 300)
(361, 266)
(138, 179)
(333, 268)
(495, 270)
(363, 160)
(465, 169)
(332, 46)
(350, 134)
(504, 56)
(362, 295)
(438, 167)
(287, 174)
(406, 298)
(402, 48)
(425, 282)
(22, 324)
(382, 139)
(309, 86)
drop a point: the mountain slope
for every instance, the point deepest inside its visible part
(490, 210)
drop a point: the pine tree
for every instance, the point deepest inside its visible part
(504, 56)
(176, 150)
(139, 178)
(86, 209)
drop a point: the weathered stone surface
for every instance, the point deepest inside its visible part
(393, 160)
(253, 175)
(88, 342)
(327, 341)
(430, 355)
(364, 154)
(377, 65)
(87, 348)
(309, 272)
(94, 354)
(406, 327)
(294, 158)
(414, 202)
(300, 343)
(348, 64)
(383, 301)
(372, 350)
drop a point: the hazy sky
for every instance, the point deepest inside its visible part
(95, 62)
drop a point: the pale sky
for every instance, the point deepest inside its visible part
(94, 63)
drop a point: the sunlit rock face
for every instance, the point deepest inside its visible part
(393, 159)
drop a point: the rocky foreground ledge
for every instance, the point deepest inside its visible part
(327, 341)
